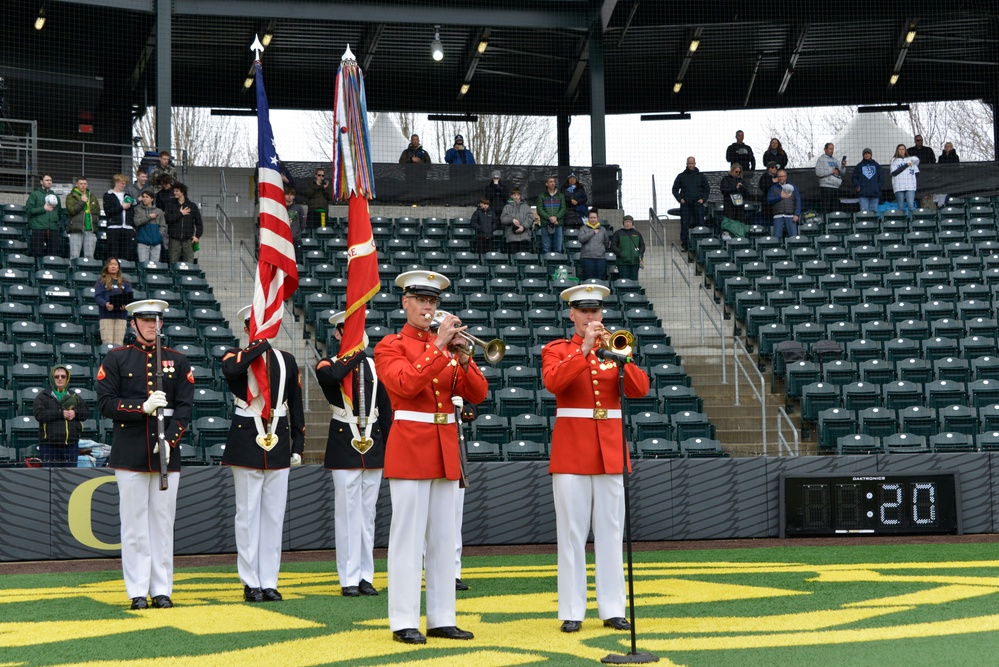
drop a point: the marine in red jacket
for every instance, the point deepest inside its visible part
(587, 459)
(421, 374)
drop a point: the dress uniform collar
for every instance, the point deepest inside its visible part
(576, 338)
(409, 331)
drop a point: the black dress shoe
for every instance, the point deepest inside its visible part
(271, 595)
(409, 636)
(449, 632)
(162, 601)
(617, 623)
(253, 594)
(139, 603)
(350, 591)
(571, 626)
(366, 588)
(460, 585)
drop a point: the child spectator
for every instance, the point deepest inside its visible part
(483, 222)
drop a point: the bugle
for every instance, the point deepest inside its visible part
(493, 351)
(620, 341)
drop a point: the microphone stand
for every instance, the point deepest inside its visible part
(634, 657)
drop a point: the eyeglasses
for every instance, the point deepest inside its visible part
(60, 377)
(428, 300)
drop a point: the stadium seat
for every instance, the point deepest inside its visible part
(955, 370)
(941, 393)
(878, 422)
(530, 427)
(833, 424)
(524, 450)
(491, 428)
(952, 442)
(914, 370)
(702, 447)
(691, 425)
(959, 419)
(861, 443)
(918, 420)
(658, 448)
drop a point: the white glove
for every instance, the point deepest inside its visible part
(296, 459)
(156, 450)
(457, 402)
(156, 400)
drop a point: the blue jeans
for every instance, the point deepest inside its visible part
(551, 242)
(780, 221)
(909, 197)
(593, 267)
(869, 203)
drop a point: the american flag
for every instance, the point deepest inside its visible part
(277, 273)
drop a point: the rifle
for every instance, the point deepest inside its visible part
(160, 431)
(462, 456)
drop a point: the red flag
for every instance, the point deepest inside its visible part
(277, 273)
(362, 275)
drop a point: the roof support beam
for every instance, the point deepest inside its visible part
(164, 74)
(598, 103)
(577, 73)
(752, 79)
(372, 36)
(627, 23)
(799, 43)
(606, 12)
(496, 16)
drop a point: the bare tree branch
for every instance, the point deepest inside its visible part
(217, 141)
(803, 132)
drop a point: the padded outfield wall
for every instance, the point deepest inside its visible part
(73, 513)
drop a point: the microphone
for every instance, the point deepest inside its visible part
(607, 355)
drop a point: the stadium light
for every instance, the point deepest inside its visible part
(893, 80)
(40, 21)
(248, 82)
(268, 36)
(483, 45)
(677, 86)
(464, 88)
(436, 48)
(911, 35)
(694, 43)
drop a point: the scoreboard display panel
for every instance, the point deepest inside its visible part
(869, 504)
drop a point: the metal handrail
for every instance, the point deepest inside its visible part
(717, 324)
(782, 442)
(224, 224)
(761, 393)
(223, 189)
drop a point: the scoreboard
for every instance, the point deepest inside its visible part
(869, 504)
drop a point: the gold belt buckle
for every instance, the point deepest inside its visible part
(440, 418)
(600, 413)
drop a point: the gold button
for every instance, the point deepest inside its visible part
(149, 365)
(419, 365)
(593, 373)
(437, 393)
(440, 405)
(595, 382)
(427, 359)
(150, 383)
(593, 361)
(598, 404)
(427, 346)
(596, 392)
(436, 380)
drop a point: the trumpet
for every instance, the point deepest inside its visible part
(621, 341)
(493, 351)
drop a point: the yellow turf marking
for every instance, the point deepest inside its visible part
(477, 658)
(809, 620)
(204, 620)
(939, 595)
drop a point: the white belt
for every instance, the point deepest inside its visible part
(425, 417)
(341, 415)
(168, 412)
(588, 413)
(277, 412)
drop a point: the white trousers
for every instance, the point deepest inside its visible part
(459, 511)
(146, 515)
(355, 495)
(578, 498)
(261, 496)
(422, 512)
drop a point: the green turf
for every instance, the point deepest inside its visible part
(774, 606)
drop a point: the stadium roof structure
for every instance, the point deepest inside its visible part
(537, 57)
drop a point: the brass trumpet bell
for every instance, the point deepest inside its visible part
(621, 341)
(492, 351)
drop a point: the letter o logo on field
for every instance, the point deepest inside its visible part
(79, 514)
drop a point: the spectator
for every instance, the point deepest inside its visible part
(134, 189)
(767, 180)
(904, 168)
(112, 293)
(118, 208)
(164, 192)
(458, 154)
(551, 211)
(60, 414)
(733, 189)
(414, 152)
(830, 177)
(498, 194)
(484, 223)
(867, 178)
(318, 195)
(163, 168)
(84, 213)
(576, 209)
(296, 218)
(949, 155)
(775, 153)
(924, 154)
(150, 228)
(628, 246)
(741, 153)
(786, 203)
(595, 242)
(517, 221)
(184, 223)
(42, 210)
(691, 189)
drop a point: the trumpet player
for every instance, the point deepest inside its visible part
(355, 453)
(586, 459)
(421, 372)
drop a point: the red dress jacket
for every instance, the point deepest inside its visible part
(585, 446)
(419, 377)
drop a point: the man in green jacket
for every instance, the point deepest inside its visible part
(42, 209)
(551, 210)
(84, 213)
